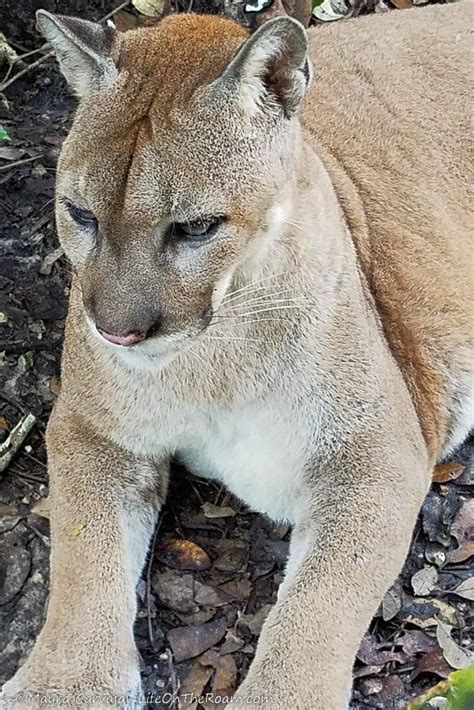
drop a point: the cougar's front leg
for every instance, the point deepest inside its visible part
(104, 504)
(346, 550)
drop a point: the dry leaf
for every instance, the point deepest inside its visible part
(463, 526)
(152, 8)
(193, 685)
(456, 656)
(190, 641)
(175, 591)
(424, 581)
(433, 662)
(3, 424)
(392, 602)
(42, 508)
(465, 589)
(461, 553)
(217, 511)
(183, 554)
(445, 472)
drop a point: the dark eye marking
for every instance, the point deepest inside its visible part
(84, 218)
(197, 231)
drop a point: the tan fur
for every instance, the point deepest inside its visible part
(325, 389)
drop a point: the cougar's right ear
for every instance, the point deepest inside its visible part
(82, 49)
(272, 67)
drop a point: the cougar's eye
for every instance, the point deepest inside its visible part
(84, 218)
(200, 230)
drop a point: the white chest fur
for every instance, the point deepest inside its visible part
(255, 450)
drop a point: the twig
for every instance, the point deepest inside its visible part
(15, 439)
(50, 53)
(33, 65)
(23, 161)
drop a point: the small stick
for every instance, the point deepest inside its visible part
(15, 439)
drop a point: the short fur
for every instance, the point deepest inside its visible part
(316, 355)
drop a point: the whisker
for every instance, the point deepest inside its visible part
(298, 225)
(231, 337)
(266, 301)
(263, 295)
(266, 310)
(250, 285)
(247, 322)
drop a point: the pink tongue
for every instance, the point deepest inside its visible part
(126, 340)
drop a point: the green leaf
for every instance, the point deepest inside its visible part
(3, 134)
(457, 692)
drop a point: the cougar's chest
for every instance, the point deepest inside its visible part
(257, 451)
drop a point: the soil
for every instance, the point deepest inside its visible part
(198, 622)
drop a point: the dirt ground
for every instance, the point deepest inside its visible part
(215, 566)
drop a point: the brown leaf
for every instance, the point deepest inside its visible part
(463, 526)
(402, 4)
(415, 641)
(370, 653)
(193, 685)
(461, 553)
(3, 424)
(190, 641)
(445, 472)
(55, 386)
(433, 662)
(175, 591)
(125, 21)
(183, 554)
(224, 682)
(233, 555)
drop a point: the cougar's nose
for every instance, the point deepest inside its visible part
(126, 340)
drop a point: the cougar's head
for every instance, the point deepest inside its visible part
(170, 182)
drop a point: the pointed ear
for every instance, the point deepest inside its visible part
(272, 65)
(82, 49)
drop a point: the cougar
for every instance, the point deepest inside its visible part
(274, 285)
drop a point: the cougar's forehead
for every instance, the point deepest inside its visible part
(149, 132)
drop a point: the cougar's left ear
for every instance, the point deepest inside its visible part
(82, 49)
(272, 65)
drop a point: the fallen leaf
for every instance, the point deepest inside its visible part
(183, 554)
(3, 424)
(425, 613)
(392, 602)
(402, 4)
(223, 683)
(49, 260)
(152, 8)
(175, 591)
(424, 581)
(193, 685)
(456, 656)
(42, 508)
(252, 623)
(233, 555)
(415, 641)
(217, 511)
(461, 553)
(465, 589)
(8, 153)
(190, 641)
(55, 386)
(463, 526)
(124, 21)
(232, 643)
(445, 472)
(433, 662)
(370, 653)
